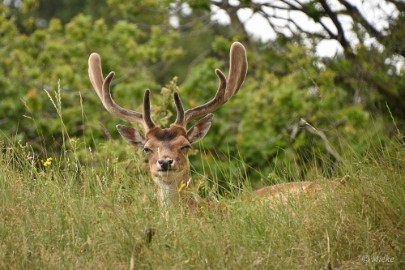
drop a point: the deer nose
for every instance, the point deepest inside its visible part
(165, 164)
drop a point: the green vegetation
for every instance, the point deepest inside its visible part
(75, 195)
(103, 214)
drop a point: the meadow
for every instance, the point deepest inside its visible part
(75, 195)
(101, 213)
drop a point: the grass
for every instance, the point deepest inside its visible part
(102, 214)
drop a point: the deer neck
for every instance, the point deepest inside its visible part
(169, 186)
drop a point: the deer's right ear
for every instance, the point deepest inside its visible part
(131, 135)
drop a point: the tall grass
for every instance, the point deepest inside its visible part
(89, 209)
(102, 214)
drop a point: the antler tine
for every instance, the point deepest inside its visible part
(146, 110)
(102, 88)
(180, 110)
(95, 73)
(237, 70)
(227, 87)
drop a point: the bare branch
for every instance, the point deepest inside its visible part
(303, 123)
(341, 34)
(356, 15)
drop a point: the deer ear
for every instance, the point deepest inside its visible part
(131, 135)
(200, 129)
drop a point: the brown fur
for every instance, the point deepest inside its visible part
(293, 187)
(169, 143)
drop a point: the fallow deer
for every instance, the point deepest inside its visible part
(166, 148)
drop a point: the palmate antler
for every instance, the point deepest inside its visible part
(102, 88)
(227, 88)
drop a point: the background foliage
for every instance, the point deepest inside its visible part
(294, 108)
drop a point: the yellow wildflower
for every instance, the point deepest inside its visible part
(47, 162)
(182, 186)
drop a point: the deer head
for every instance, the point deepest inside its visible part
(167, 148)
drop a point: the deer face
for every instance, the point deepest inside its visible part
(167, 149)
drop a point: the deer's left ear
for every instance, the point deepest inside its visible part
(131, 135)
(200, 129)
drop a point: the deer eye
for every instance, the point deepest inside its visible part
(147, 150)
(185, 148)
